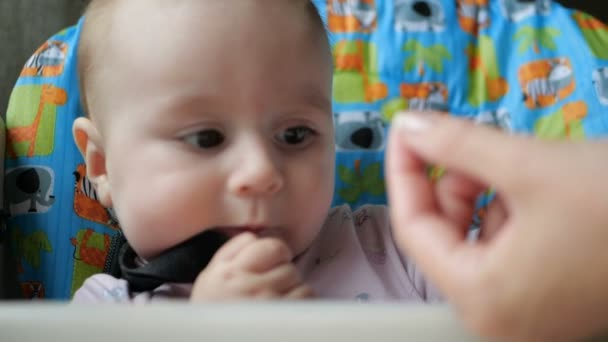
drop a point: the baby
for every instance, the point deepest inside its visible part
(216, 115)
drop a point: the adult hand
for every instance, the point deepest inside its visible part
(541, 270)
(248, 267)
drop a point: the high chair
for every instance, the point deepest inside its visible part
(530, 67)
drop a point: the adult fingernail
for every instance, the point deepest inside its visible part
(412, 122)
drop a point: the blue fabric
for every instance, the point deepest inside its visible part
(57, 245)
(526, 67)
(432, 55)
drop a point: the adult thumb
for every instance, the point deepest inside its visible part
(482, 153)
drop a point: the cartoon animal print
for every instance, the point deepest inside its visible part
(391, 107)
(28, 247)
(47, 61)
(544, 82)
(486, 82)
(351, 15)
(359, 131)
(418, 96)
(420, 55)
(32, 290)
(595, 33)
(499, 119)
(361, 180)
(419, 15)
(90, 254)
(600, 83)
(425, 96)
(473, 15)
(517, 10)
(536, 38)
(28, 189)
(20, 131)
(86, 202)
(435, 172)
(356, 79)
(565, 123)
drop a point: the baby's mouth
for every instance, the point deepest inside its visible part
(236, 230)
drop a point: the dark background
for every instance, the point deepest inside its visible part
(598, 8)
(24, 26)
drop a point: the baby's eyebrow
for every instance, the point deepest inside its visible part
(315, 97)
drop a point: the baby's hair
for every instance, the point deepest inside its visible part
(316, 17)
(97, 28)
(94, 30)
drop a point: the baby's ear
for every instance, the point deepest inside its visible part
(89, 143)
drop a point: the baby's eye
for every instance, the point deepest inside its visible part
(209, 138)
(296, 135)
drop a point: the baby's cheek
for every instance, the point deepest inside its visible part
(151, 218)
(314, 202)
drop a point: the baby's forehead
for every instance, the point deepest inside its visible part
(184, 42)
(174, 28)
(251, 13)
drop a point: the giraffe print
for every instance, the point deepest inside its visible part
(50, 95)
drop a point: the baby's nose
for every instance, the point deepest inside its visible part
(257, 174)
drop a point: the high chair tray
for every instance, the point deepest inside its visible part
(289, 322)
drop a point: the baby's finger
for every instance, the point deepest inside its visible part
(229, 250)
(282, 278)
(263, 255)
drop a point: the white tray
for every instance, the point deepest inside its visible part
(172, 322)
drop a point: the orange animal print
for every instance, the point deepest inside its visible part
(91, 250)
(544, 82)
(92, 255)
(86, 204)
(425, 96)
(47, 61)
(484, 71)
(32, 290)
(473, 15)
(573, 112)
(50, 95)
(351, 15)
(588, 22)
(354, 62)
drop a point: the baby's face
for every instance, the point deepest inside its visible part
(220, 118)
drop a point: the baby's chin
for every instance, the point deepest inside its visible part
(207, 240)
(146, 253)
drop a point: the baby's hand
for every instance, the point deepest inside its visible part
(250, 267)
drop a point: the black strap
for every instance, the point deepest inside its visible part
(112, 266)
(180, 264)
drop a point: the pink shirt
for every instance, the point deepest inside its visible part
(353, 258)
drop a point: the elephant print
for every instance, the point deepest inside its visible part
(28, 190)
